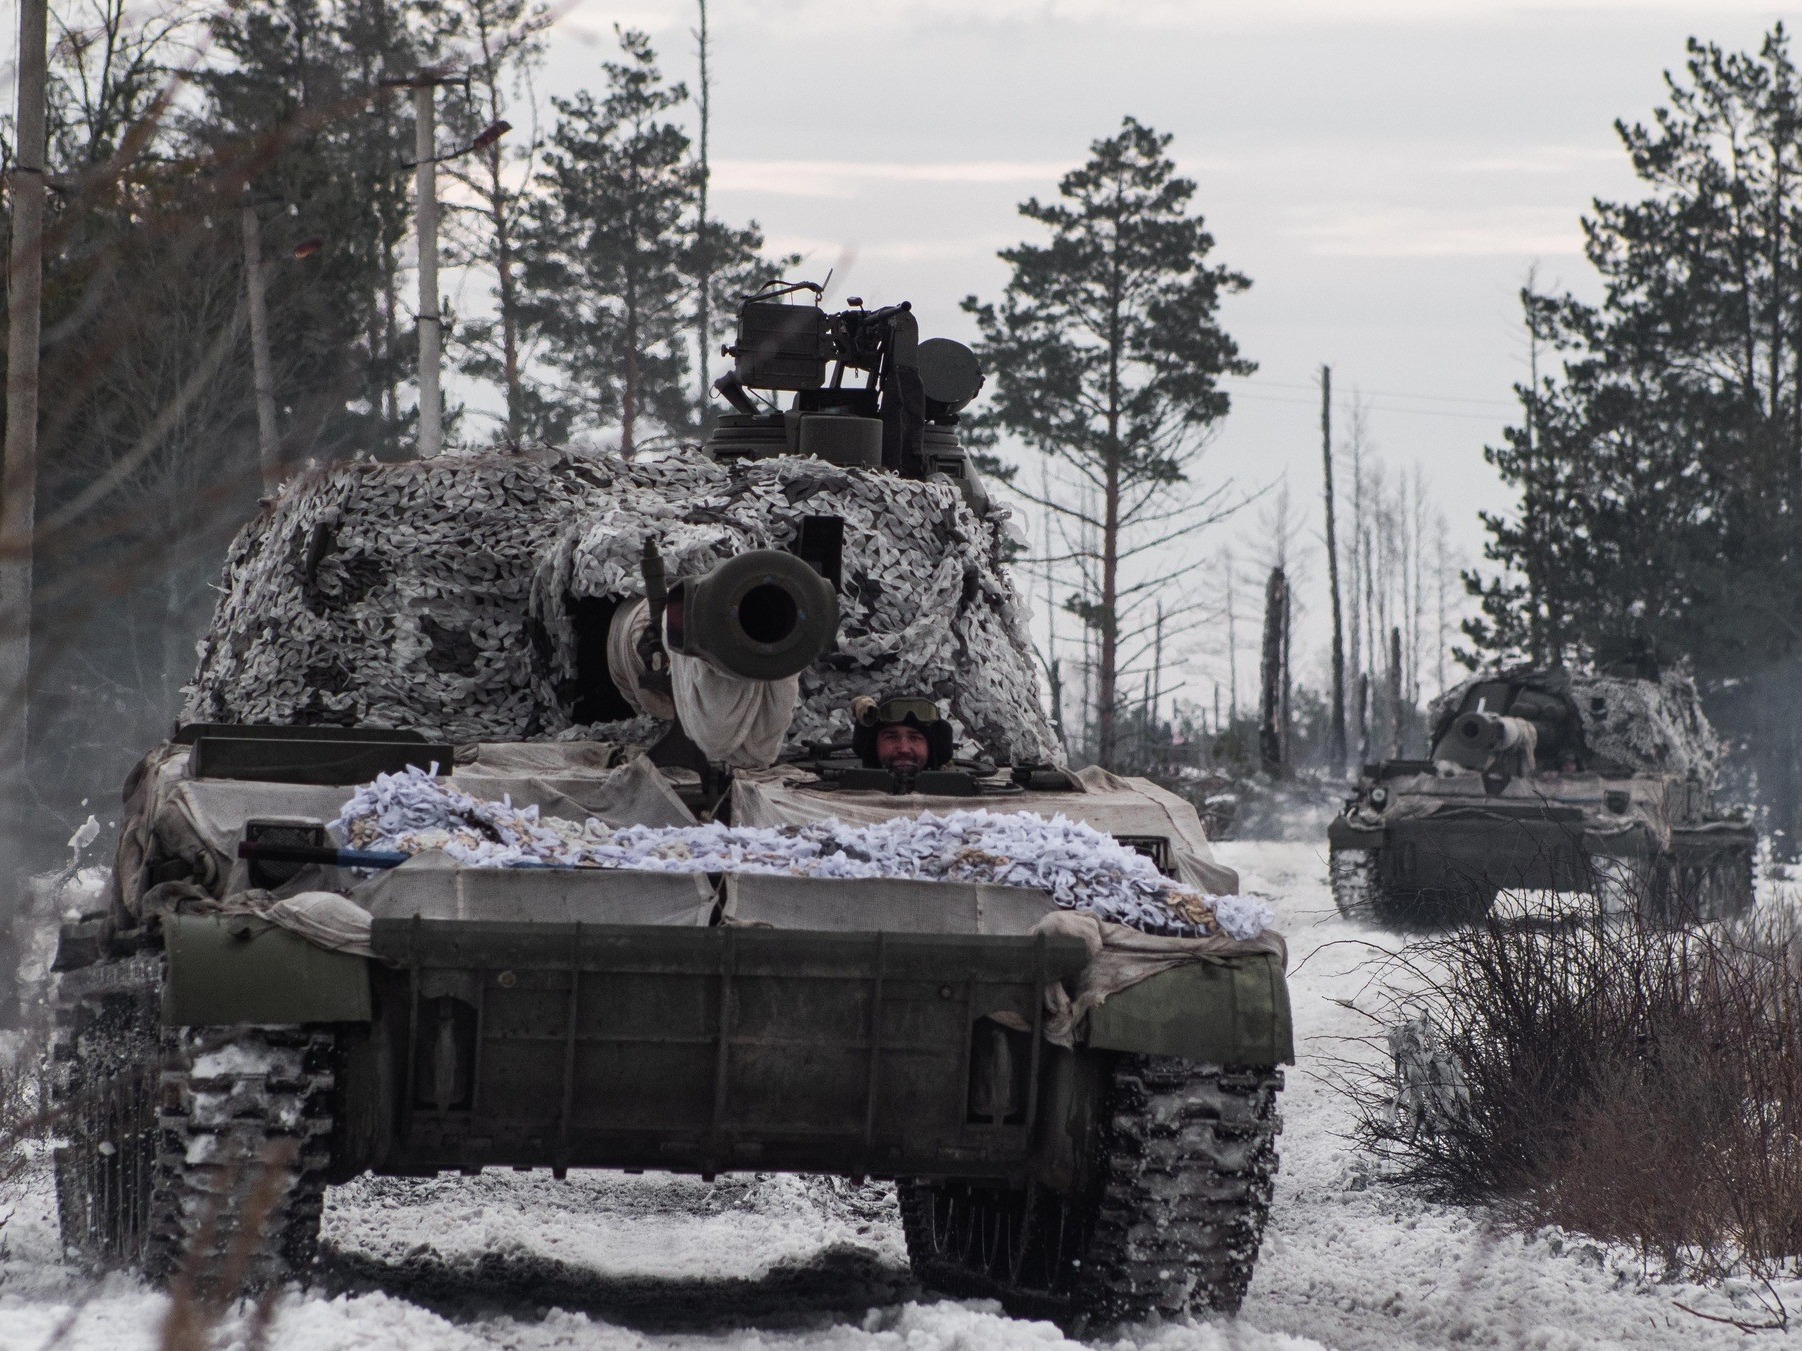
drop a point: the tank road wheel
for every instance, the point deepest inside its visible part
(1171, 1226)
(194, 1151)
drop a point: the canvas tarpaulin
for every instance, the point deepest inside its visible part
(200, 821)
(1121, 957)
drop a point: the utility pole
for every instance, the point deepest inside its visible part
(703, 246)
(18, 486)
(268, 448)
(431, 322)
(1397, 721)
(1336, 748)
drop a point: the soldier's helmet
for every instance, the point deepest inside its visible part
(869, 716)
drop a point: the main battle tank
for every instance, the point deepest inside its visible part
(1548, 780)
(514, 820)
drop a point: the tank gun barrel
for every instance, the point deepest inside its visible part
(1475, 740)
(763, 615)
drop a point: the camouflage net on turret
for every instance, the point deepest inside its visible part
(1630, 726)
(436, 596)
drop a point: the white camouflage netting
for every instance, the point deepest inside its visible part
(433, 596)
(1082, 868)
(1630, 725)
(925, 604)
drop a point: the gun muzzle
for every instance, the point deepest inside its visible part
(1475, 739)
(763, 615)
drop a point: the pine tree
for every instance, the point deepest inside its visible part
(607, 272)
(298, 110)
(1660, 469)
(501, 42)
(1107, 356)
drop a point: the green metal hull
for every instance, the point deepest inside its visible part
(470, 1044)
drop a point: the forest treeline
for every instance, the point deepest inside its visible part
(180, 138)
(1656, 459)
(1658, 451)
(1658, 455)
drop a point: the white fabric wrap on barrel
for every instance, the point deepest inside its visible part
(734, 721)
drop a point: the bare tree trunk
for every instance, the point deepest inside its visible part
(1370, 638)
(1270, 711)
(1357, 543)
(1156, 679)
(1364, 717)
(1440, 567)
(384, 338)
(18, 486)
(1288, 722)
(1107, 691)
(507, 294)
(1396, 726)
(263, 377)
(628, 403)
(1232, 647)
(1336, 744)
(1539, 642)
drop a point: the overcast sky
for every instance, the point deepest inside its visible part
(1386, 173)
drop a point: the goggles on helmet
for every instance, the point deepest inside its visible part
(899, 710)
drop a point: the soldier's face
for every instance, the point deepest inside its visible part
(902, 749)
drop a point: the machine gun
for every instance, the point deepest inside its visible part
(907, 386)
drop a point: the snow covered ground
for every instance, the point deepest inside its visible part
(606, 1262)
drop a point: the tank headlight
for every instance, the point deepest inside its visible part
(1379, 797)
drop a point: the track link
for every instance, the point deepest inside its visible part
(1191, 1164)
(1171, 1224)
(1357, 890)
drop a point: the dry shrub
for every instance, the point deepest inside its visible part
(1637, 1083)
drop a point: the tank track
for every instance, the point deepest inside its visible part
(1356, 887)
(1172, 1225)
(198, 1153)
(1709, 882)
(1360, 894)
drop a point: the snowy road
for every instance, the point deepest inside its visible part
(604, 1262)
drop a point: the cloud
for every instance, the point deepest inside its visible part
(1155, 15)
(1545, 159)
(1426, 232)
(843, 178)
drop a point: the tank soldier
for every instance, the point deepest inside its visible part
(903, 735)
